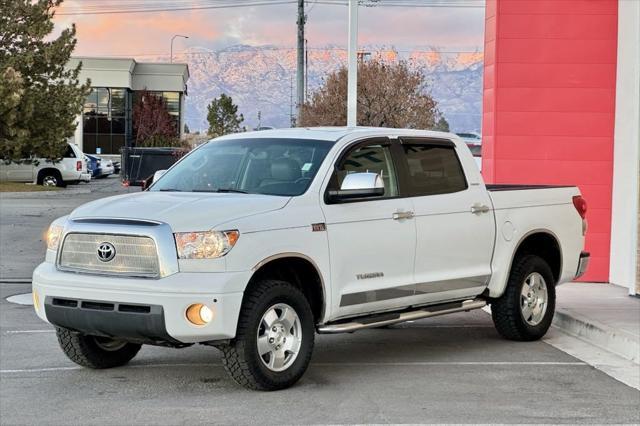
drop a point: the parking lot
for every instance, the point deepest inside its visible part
(452, 369)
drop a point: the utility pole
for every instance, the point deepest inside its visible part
(306, 69)
(292, 119)
(300, 62)
(352, 70)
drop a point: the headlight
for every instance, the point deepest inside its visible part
(53, 237)
(205, 245)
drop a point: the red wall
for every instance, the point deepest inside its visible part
(549, 99)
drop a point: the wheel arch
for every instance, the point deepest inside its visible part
(41, 173)
(298, 269)
(542, 243)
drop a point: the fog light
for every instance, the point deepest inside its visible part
(199, 314)
(36, 302)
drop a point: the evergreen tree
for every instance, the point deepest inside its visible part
(186, 128)
(40, 96)
(442, 125)
(223, 116)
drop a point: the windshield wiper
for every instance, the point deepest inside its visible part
(170, 190)
(237, 191)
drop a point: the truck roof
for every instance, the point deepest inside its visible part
(334, 133)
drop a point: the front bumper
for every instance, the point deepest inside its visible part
(166, 298)
(134, 323)
(583, 264)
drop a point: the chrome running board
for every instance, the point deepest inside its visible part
(389, 318)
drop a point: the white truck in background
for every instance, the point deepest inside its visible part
(254, 242)
(71, 169)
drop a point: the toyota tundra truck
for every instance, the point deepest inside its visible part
(254, 242)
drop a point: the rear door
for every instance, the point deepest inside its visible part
(454, 223)
(16, 172)
(371, 241)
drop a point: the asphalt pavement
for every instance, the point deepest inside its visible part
(450, 369)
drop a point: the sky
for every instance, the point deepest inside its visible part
(149, 34)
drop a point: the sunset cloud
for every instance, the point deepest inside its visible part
(149, 34)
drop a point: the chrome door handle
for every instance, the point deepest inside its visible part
(402, 215)
(479, 208)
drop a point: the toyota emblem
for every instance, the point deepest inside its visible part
(106, 252)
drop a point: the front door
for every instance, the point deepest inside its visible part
(371, 241)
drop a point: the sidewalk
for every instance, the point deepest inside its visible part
(599, 324)
(601, 314)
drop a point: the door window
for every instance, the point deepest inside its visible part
(433, 169)
(69, 153)
(373, 158)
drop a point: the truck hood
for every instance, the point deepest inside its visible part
(183, 211)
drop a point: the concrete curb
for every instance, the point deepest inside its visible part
(610, 339)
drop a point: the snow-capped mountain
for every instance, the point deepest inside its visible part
(263, 79)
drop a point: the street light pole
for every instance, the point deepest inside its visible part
(173, 38)
(352, 70)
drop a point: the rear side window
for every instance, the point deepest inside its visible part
(433, 169)
(69, 152)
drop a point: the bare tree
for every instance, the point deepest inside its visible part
(152, 123)
(389, 95)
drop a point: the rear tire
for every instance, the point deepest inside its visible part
(525, 311)
(95, 352)
(260, 357)
(50, 177)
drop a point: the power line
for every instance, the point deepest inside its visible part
(121, 7)
(142, 9)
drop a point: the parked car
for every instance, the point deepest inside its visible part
(94, 165)
(474, 143)
(254, 242)
(71, 169)
(101, 167)
(107, 168)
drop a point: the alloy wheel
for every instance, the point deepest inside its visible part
(534, 299)
(279, 337)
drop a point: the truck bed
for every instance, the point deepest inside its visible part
(504, 196)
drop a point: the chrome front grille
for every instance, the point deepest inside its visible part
(134, 255)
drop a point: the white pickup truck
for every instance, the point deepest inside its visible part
(254, 242)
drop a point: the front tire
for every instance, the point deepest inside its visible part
(275, 338)
(95, 352)
(525, 311)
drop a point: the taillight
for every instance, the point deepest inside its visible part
(78, 166)
(581, 205)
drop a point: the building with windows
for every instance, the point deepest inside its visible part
(106, 123)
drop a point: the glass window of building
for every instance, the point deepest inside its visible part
(171, 101)
(105, 120)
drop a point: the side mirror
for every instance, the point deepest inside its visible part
(157, 175)
(358, 185)
(154, 177)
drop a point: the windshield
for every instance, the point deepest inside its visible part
(273, 166)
